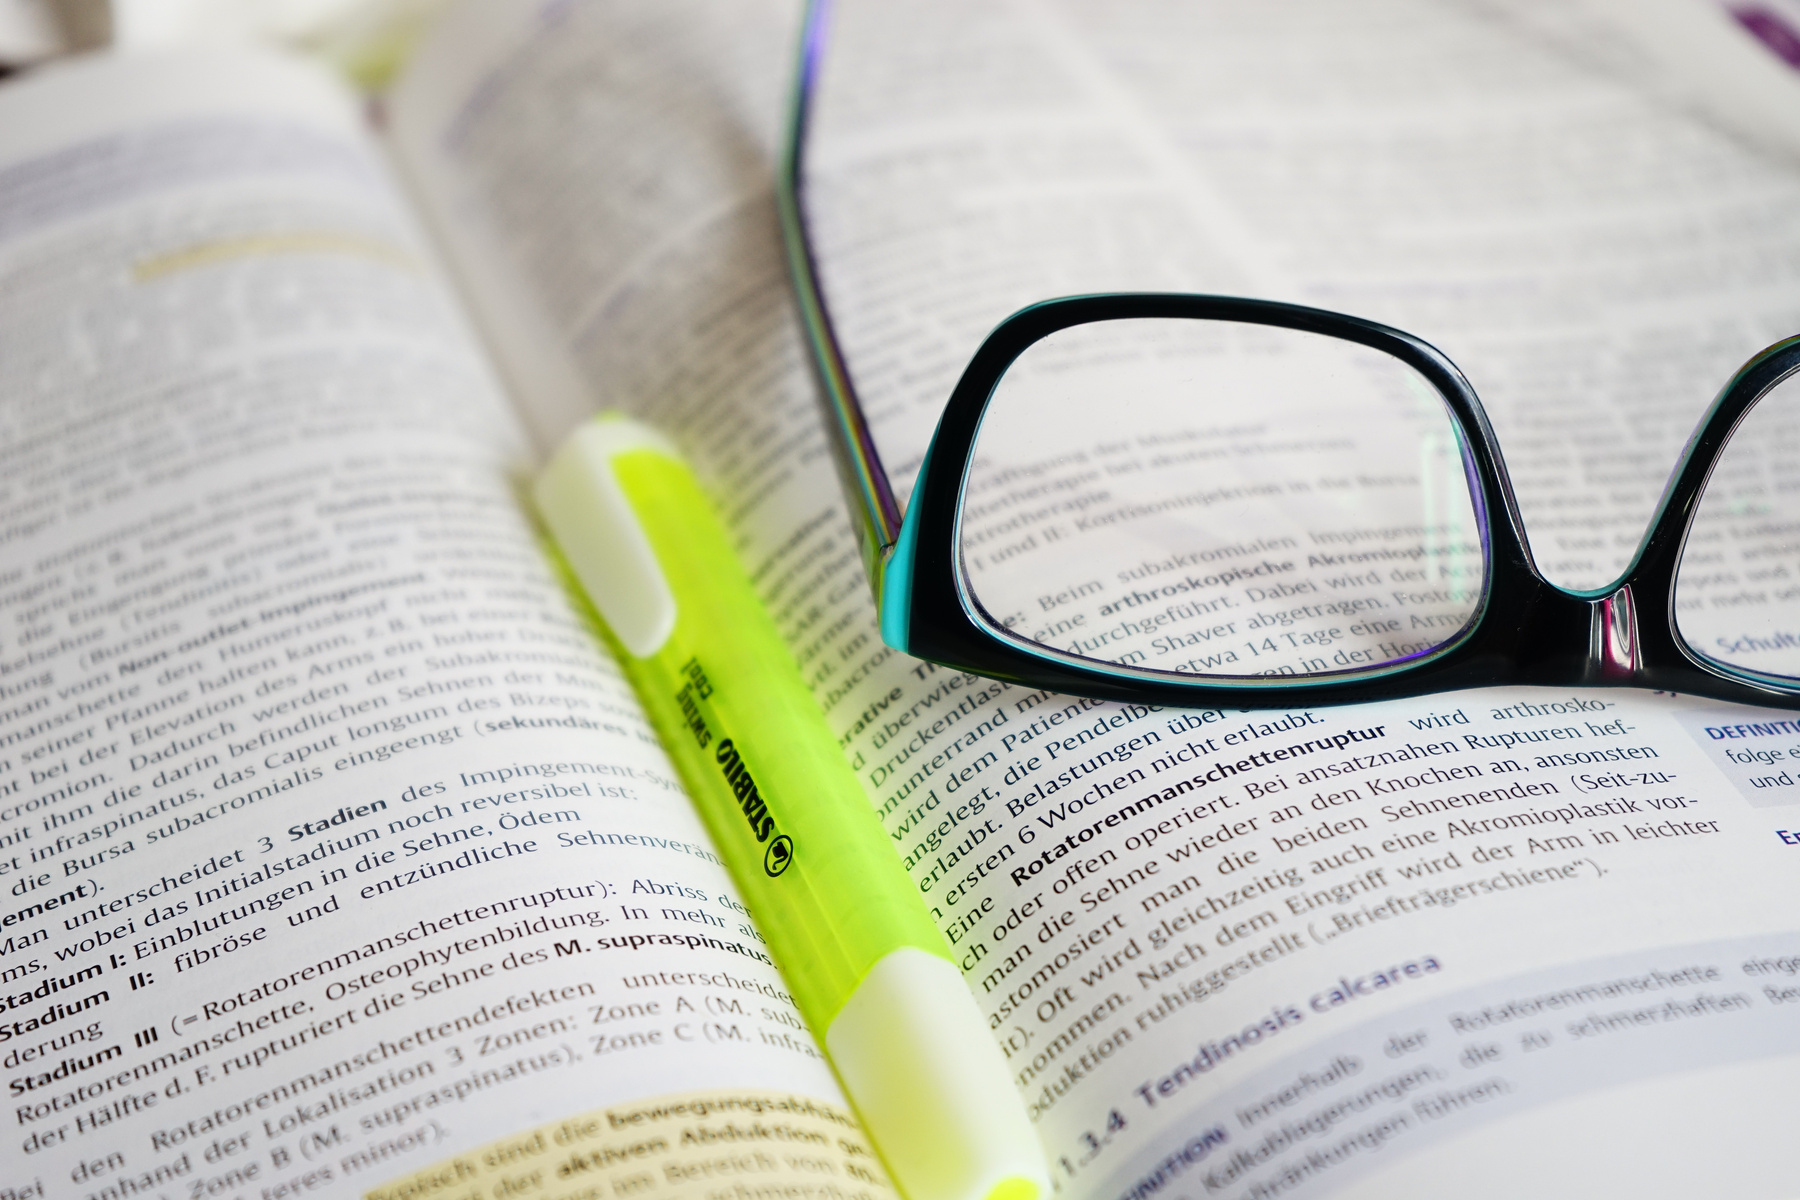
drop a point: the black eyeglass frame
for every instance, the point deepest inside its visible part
(1525, 630)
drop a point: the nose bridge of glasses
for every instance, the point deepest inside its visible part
(1614, 651)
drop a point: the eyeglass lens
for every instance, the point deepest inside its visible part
(1737, 592)
(1220, 499)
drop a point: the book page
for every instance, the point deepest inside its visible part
(1732, 61)
(1246, 954)
(332, 844)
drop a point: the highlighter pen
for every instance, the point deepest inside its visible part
(868, 969)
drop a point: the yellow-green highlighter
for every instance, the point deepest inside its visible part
(869, 970)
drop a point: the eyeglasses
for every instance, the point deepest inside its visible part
(1206, 500)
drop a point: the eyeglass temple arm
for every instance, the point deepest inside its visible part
(874, 510)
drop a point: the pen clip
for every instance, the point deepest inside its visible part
(593, 523)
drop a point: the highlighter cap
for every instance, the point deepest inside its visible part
(917, 1058)
(600, 535)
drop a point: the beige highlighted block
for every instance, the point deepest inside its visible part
(697, 1146)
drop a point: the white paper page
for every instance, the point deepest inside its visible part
(332, 842)
(1211, 941)
(1728, 60)
(28, 32)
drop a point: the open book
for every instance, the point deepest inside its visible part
(339, 860)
